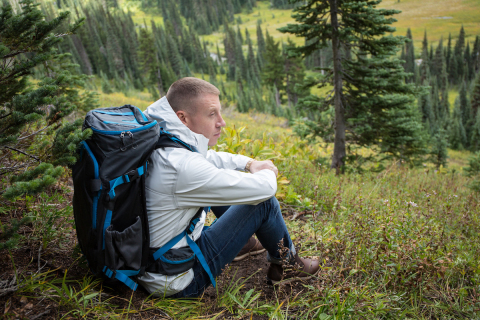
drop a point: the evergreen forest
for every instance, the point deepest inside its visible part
(375, 132)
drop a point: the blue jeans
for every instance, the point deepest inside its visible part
(221, 243)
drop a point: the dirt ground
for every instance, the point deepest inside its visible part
(27, 260)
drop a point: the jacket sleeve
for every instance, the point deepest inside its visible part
(225, 160)
(200, 183)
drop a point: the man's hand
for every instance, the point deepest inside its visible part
(260, 165)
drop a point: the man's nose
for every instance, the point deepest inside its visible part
(221, 122)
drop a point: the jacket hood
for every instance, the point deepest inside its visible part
(161, 111)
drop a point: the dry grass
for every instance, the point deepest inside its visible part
(428, 15)
(417, 15)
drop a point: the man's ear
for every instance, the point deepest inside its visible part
(182, 115)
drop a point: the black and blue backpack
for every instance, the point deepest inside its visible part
(109, 202)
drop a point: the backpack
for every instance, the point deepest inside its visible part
(109, 202)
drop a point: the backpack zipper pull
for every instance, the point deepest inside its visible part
(134, 144)
(122, 135)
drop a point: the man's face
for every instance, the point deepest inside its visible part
(207, 119)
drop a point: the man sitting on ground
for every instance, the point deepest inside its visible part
(181, 181)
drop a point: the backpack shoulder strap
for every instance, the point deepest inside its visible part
(167, 139)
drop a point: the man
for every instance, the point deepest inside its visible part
(181, 181)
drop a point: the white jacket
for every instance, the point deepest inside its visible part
(181, 181)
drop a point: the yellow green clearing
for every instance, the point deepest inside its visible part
(437, 17)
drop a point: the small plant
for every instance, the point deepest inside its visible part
(9, 237)
(49, 221)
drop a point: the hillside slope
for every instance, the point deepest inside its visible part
(437, 17)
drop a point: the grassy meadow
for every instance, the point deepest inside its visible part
(437, 17)
(397, 244)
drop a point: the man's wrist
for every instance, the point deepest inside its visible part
(249, 163)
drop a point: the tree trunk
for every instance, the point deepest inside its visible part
(277, 96)
(339, 143)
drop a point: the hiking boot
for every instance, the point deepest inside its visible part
(253, 247)
(298, 270)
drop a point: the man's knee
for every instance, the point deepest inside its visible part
(272, 204)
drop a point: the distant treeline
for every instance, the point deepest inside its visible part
(266, 78)
(440, 69)
(206, 16)
(153, 56)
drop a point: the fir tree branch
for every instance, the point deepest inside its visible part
(15, 53)
(22, 152)
(23, 138)
(12, 169)
(8, 114)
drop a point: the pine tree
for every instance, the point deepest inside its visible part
(240, 63)
(273, 73)
(29, 166)
(460, 45)
(457, 135)
(373, 105)
(294, 74)
(470, 68)
(440, 67)
(459, 54)
(239, 36)
(439, 152)
(146, 56)
(466, 113)
(475, 134)
(410, 56)
(252, 62)
(448, 56)
(106, 87)
(426, 108)
(174, 56)
(229, 43)
(425, 65)
(260, 44)
(476, 54)
(475, 97)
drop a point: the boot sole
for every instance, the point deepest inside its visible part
(246, 255)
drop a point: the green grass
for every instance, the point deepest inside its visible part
(395, 244)
(401, 243)
(117, 99)
(141, 17)
(424, 15)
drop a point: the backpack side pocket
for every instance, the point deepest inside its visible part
(123, 250)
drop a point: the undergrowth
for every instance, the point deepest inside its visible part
(400, 243)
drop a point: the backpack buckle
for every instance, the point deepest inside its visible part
(109, 273)
(132, 175)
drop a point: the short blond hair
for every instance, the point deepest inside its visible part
(182, 93)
